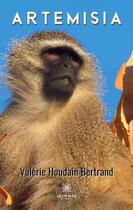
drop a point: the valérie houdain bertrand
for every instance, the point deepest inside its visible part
(60, 18)
(70, 172)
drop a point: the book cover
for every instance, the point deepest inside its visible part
(66, 140)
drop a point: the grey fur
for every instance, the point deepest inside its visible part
(73, 134)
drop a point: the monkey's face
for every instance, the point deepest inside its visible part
(62, 66)
(49, 66)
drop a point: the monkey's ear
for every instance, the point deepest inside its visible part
(119, 78)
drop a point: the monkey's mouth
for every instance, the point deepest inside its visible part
(66, 79)
(59, 86)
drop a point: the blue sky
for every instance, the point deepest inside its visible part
(111, 45)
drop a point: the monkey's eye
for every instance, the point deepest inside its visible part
(75, 60)
(52, 57)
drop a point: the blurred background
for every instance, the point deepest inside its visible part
(111, 45)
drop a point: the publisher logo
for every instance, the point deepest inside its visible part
(66, 188)
(67, 192)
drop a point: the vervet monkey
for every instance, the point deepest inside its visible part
(55, 120)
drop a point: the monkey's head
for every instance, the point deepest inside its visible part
(50, 65)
